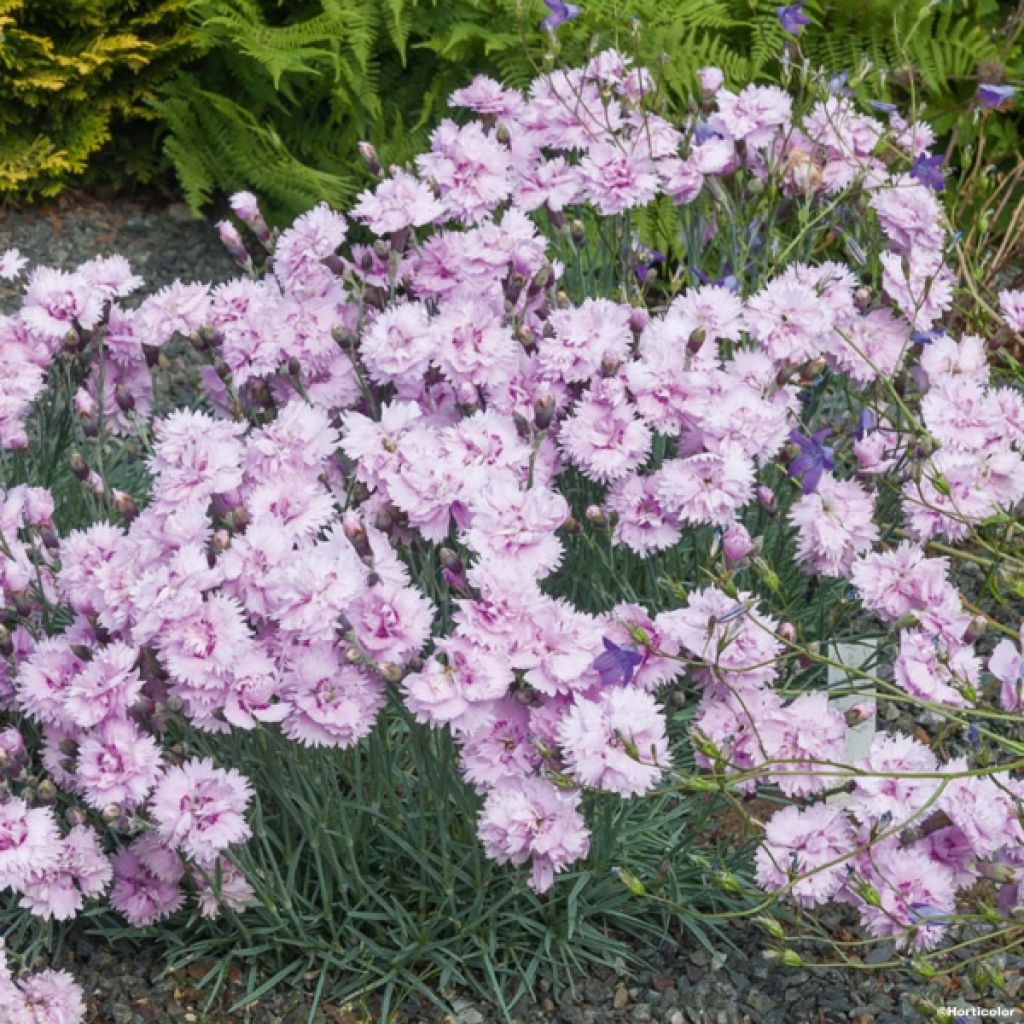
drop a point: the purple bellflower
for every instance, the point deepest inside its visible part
(813, 460)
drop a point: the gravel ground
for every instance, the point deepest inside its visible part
(681, 984)
(161, 242)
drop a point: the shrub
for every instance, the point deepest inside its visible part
(285, 91)
(77, 75)
(466, 472)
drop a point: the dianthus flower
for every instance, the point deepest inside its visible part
(616, 742)
(531, 819)
(201, 809)
(804, 852)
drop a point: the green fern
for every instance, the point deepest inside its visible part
(309, 79)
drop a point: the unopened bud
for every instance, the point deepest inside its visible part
(46, 792)
(82, 652)
(75, 817)
(544, 411)
(737, 544)
(79, 466)
(125, 504)
(390, 672)
(787, 633)
(370, 158)
(791, 958)
(771, 926)
(595, 514)
(450, 560)
(110, 813)
(766, 498)
(697, 338)
(6, 643)
(630, 881)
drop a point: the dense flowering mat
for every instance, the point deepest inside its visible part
(468, 451)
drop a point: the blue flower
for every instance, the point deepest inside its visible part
(926, 337)
(617, 664)
(928, 171)
(813, 460)
(973, 736)
(561, 12)
(792, 18)
(883, 107)
(866, 422)
(995, 96)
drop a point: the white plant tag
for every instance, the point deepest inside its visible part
(858, 737)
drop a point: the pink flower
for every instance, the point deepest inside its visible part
(1011, 305)
(141, 895)
(470, 169)
(615, 179)
(399, 201)
(117, 765)
(933, 670)
(391, 623)
(530, 819)
(755, 116)
(518, 525)
(106, 687)
(706, 488)
(28, 842)
(302, 249)
(201, 809)
(604, 437)
(807, 736)
(789, 321)
(57, 301)
(834, 524)
(616, 742)
(500, 750)
(584, 337)
(195, 457)
(891, 788)
(81, 871)
(642, 521)
(806, 847)
(458, 687)
(917, 896)
(11, 264)
(49, 997)
(398, 344)
(1007, 665)
(332, 703)
(178, 308)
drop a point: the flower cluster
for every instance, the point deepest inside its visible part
(403, 412)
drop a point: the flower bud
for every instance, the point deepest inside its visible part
(82, 652)
(85, 404)
(370, 158)
(110, 813)
(390, 672)
(6, 642)
(766, 498)
(638, 319)
(75, 817)
(771, 926)
(736, 544)
(791, 958)
(629, 880)
(787, 633)
(544, 411)
(79, 466)
(595, 514)
(125, 504)
(46, 792)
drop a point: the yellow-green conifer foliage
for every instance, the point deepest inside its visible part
(75, 80)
